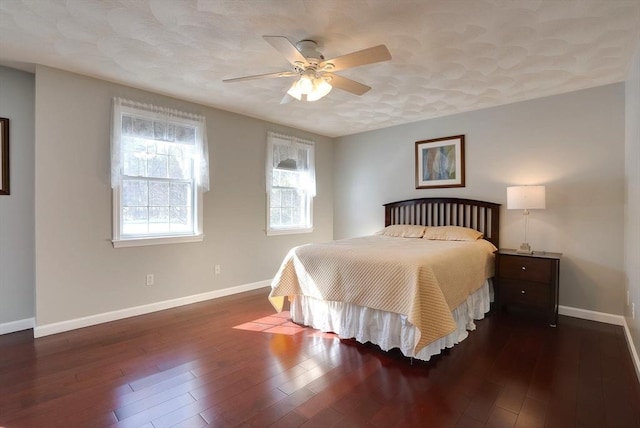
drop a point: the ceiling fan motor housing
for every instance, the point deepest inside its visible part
(309, 49)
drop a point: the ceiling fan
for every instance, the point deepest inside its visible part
(315, 74)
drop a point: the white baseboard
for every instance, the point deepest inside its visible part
(59, 327)
(632, 349)
(591, 315)
(13, 326)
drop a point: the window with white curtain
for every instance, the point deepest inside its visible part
(159, 172)
(291, 184)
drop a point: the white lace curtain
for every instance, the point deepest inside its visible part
(293, 154)
(150, 122)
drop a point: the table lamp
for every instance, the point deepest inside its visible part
(525, 198)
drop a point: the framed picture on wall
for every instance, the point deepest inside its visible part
(4, 156)
(440, 162)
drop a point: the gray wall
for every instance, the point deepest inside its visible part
(78, 271)
(571, 143)
(632, 207)
(17, 278)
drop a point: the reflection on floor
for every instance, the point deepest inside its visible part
(281, 324)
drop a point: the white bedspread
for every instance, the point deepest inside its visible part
(422, 279)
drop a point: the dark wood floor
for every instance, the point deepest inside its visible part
(209, 364)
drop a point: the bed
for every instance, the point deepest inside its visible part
(418, 285)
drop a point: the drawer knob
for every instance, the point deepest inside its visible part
(524, 268)
(523, 292)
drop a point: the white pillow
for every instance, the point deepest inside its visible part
(403, 231)
(452, 233)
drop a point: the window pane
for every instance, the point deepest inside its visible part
(276, 220)
(185, 134)
(162, 148)
(179, 150)
(158, 194)
(180, 194)
(135, 220)
(180, 218)
(133, 165)
(288, 208)
(296, 214)
(286, 217)
(159, 219)
(158, 166)
(282, 178)
(164, 131)
(179, 167)
(288, 199)
(159, 215)
(134, 193)
(141, 127)
(276, 198)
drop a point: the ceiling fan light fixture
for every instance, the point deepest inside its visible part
(321, 87)
(305, 84)
(309, 87)
(295, 91)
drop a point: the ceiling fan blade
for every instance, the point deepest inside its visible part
(286, 99)
(286, 48)
(355, 59)
(262, 76)
(348, 85)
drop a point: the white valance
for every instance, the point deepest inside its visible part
(148, 122)
(293, 154)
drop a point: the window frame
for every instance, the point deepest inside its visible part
(136, 240)
(309, 193)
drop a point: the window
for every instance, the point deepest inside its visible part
(159, 171)
(291, 184)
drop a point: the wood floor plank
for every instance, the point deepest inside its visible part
(190, 367)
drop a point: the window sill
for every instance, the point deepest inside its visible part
(275, 232)
(141, 242)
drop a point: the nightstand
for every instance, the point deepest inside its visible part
(529, 282)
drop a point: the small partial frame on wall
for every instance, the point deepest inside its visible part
(440, 162)
(4, 156)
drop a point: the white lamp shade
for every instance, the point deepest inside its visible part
(313, 88)
(320, 88)
(526, 198)
(295, 91)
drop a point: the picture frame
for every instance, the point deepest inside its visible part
(4, 156)
(440, 162)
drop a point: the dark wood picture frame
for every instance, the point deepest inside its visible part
(4, 156)
(440, 162)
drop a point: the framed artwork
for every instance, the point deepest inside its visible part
(4, 156)
(440, 162)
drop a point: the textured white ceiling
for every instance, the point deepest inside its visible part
(449, 56)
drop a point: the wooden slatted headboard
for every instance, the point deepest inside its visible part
(479, 215)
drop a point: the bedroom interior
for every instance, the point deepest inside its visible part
(557, 107)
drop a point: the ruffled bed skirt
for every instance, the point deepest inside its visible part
(386, 329)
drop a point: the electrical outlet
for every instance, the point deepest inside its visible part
(149, 279)
(216, 269)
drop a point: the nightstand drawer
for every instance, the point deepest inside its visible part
(525, 268)
(525, 293)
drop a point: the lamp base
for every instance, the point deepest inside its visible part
(524, 249)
